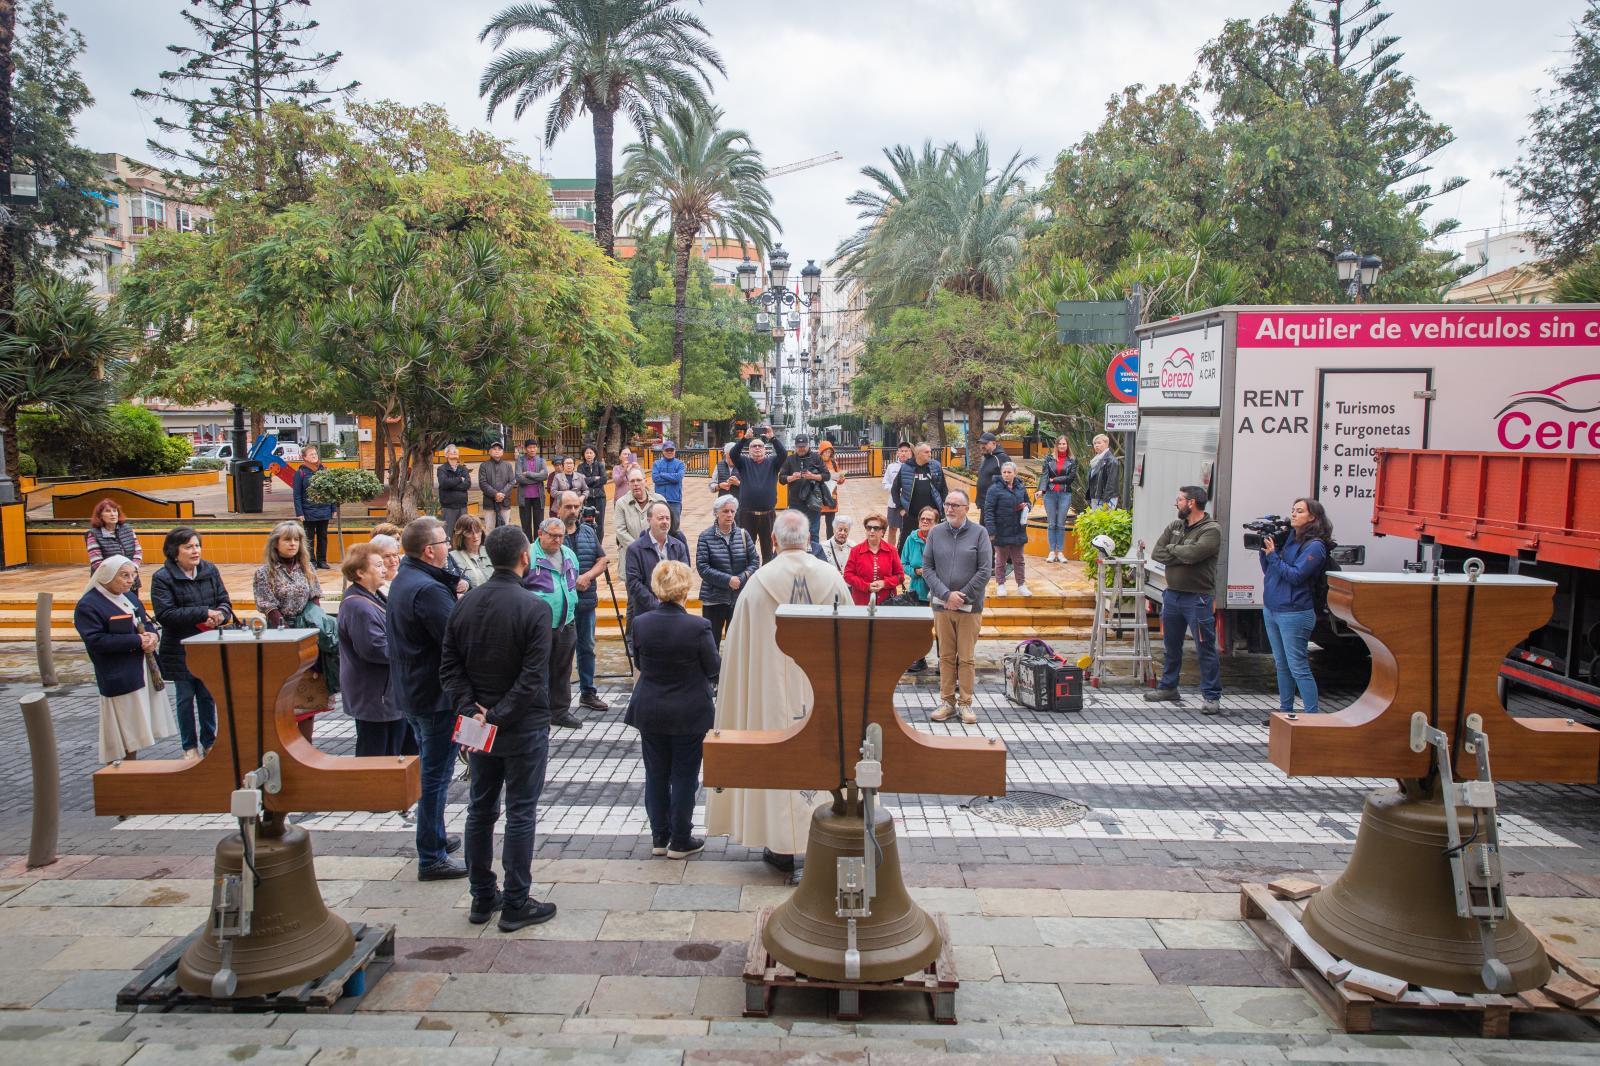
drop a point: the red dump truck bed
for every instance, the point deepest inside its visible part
(1534, 507)
(1535, 514)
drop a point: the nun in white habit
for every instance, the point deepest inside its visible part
(121, 640)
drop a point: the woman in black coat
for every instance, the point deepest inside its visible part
(672, 708)
(189, 597)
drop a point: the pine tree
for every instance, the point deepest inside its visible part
(1558, 176)
(251, 55)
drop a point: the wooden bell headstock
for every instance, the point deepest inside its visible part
(807, 754)
(255, 679)
(1403, 618)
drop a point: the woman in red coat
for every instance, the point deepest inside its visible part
(874, 567)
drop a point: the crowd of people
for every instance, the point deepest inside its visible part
(479, 616)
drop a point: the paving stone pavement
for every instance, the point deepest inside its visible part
(1113, 939)
(1171, 795)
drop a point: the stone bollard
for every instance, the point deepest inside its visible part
(46, 779)
(42, 636)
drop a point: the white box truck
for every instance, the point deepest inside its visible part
(1262, 404)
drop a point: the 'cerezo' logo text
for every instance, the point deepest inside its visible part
(1558, 419)
(1177, 375)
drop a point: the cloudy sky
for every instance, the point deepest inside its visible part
(815, 76)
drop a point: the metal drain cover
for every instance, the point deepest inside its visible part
(1031, 810)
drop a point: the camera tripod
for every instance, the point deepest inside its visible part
(627, 642)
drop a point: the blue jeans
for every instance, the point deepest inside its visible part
(671, 780)
(585, 622)
(1289, 632)
(676, 510)
(1056, 505)
(191, 694)
(522, 778)
(437, 752)
(1196, 612)
(815, 518)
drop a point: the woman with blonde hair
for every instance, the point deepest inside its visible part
(121, 641)
(672, 708)
(467, 551)
(288, 593)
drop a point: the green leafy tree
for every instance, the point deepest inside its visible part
(1315, 141)
(717, 338)
(1580, 282)
(41, 94)
(61, 351)
(125, 440)
(47, 95)
(250, 56)
(425, 280)
(1557, 178)
(959, 352)
(695, 177)
(1064, 385)
(600, 56)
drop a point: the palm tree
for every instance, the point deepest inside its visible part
(60, 349)
(944, 219)
(603, 56)
(696, 178)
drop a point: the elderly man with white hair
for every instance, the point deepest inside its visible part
(762, 688)
(836, 549)
(726, 556)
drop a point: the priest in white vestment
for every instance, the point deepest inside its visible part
(762, 688)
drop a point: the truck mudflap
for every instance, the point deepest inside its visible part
(1518, 672)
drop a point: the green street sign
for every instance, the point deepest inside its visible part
(1096, 321)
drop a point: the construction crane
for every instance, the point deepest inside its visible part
(805, 164)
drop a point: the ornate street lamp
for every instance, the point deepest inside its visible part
(1357, 273)
(811, 279)
(779, 268)
(747, 276)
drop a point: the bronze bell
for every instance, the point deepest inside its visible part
(293, 936)
(804, 932)
(1393, 909)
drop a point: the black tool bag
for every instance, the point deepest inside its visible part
(1039, 679)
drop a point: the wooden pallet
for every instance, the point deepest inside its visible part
(156, 989)
(764, 976)
(1361, 1001)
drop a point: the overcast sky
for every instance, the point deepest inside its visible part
(806, 78)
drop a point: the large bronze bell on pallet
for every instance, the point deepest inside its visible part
(897, 939)
(1431, 706)
(1393, 911)
(833, 645)
(291, 937)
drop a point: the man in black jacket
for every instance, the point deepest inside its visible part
(758, 485)
(495, 668)
(991, 458)
(421, 598)
(804, 473)
(455, 482)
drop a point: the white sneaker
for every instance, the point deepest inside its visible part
(1023, 590)
(1051, 558)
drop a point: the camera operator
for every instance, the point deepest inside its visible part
(1188, 548)
(1292, 568)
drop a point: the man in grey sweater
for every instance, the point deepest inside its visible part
(957, 563)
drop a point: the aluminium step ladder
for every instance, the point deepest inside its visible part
(1119, 611)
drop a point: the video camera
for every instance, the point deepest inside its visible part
(587, 513)
(1258, 530)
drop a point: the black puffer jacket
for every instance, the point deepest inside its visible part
(180, 609)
